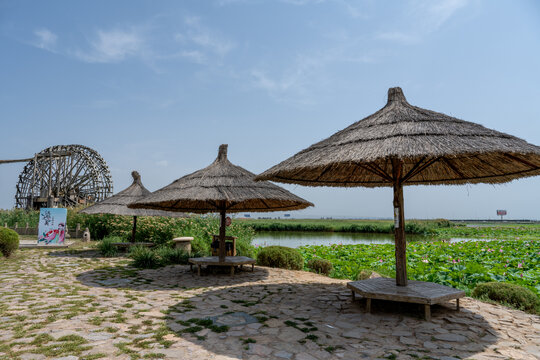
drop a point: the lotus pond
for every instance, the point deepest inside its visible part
(461, 264)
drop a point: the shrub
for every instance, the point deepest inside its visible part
(281, 257)
(171, 256)
(144, 257)
(9, 241)
(364, 274)
(106, 246)
(509, 294)
(320, 266)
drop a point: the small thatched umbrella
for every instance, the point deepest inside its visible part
(221, 187)
(117, 204)
(403, 144)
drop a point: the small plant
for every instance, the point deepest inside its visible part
(9, 241)
(320, 266)
(509, 294)
(172, 256)
(364, 274)
(280, 257)
(107, 248)
(144, 258)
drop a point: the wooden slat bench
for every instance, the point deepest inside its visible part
(231, 261)
(418, 292)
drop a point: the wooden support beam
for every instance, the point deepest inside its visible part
(399, 224)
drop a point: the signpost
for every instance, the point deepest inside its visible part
(501, 213)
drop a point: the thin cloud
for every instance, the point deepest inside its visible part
(425, 17)
(200, 43)
(113, 46)
(46, 39)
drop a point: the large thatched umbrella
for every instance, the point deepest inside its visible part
(221, 187)
(403, 144)
(117, 204)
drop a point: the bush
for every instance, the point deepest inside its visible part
(280, 257)
(364, 274)
(106, 246)
(9, 241)
(171, 256)
(320, 266)
(509, 294)
(144, 257)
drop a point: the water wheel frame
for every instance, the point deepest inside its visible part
(63, 175)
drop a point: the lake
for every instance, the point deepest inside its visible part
(300, 238)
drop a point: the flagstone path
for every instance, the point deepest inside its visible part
(75, 305)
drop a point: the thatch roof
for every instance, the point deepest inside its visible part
(117, 204)
(220, 186)
(435, 148)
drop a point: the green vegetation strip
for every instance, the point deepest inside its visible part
(461, 265)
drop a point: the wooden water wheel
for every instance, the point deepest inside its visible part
(63, 175)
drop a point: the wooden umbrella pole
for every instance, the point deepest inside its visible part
(134, 229)
(399, 224)
(222, 251)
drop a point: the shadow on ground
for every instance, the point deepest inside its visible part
(166, 278)
(76, 253)
(320, 321)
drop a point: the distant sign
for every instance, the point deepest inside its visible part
(287, 215)
(52, 225)
(247, 215)
(501, 212)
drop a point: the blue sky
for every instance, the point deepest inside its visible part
(157, 86)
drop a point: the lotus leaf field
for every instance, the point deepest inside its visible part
(461, 265)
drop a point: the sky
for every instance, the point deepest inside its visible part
(158, 86)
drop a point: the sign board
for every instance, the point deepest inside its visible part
(501, 212)
(247, 215)
(287, 215)
(52, 225)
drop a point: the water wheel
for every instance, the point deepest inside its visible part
(63, 175)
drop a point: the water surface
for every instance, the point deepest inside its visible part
(301, 238)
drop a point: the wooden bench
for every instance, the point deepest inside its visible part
(231, 261)
(418, 292)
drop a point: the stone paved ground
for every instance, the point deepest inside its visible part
(75, 305)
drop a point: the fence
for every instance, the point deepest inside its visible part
(27, 230)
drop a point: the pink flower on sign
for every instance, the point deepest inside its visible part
(520, 265)
(521, 275)
(425, 260)
(380, 260)
(501, 250)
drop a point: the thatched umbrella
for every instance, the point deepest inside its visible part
(221, 187)
(117, 204)
(403, 144)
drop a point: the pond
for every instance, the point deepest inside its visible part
(300, 238)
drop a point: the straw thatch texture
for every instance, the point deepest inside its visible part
(435, 148)
(221, 186)
(117, 204)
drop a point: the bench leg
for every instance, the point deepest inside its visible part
(368, 305)
(427, 312)
(191, 267)
(232, 270)
(457, 304)
(199, 270)
(252, 267)
(353, 295)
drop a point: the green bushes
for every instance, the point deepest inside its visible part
(9, 241)
(509, 294)
(280, 257)
(107, 248)
(172, 256)
(148, 258)
(144, 258)
(320, 266)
